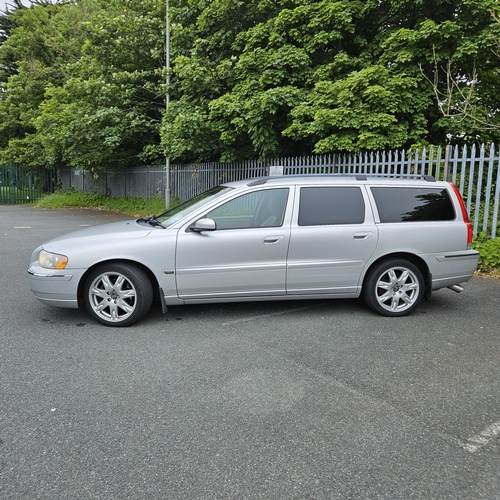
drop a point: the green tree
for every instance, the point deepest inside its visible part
(42, 42)
(325, 75)
(89, 88)
(204, 56)
(108, 113)
(466, 82)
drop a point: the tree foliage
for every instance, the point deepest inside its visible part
(320, 76)
(82, 83)
(88, 87)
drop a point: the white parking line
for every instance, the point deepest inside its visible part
(475, 443)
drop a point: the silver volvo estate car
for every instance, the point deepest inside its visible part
(302, 237)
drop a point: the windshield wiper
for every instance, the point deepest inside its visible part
(152, 221)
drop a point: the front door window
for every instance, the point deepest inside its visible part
(264, 208)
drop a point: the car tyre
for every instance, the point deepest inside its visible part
(118, 294)
(394, 287)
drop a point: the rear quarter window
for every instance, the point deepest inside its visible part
(401, 204)
(331, 205)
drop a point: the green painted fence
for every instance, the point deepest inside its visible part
(23, 185)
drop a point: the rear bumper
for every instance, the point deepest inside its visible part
(452, 268)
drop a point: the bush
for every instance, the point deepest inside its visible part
(490, 252)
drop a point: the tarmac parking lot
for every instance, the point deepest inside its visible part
(283, 400)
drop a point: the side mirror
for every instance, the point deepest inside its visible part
(204, 225)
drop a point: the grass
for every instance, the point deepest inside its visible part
(133, 206)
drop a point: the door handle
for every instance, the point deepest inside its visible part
(363, 236)
(273, 240)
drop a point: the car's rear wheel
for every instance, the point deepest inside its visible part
(394, 287)
(118, 294)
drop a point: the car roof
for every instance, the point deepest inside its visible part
(291, 180)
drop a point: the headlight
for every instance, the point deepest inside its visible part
(52, 260)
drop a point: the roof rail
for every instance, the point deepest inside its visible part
(428, 178)
(359, 177)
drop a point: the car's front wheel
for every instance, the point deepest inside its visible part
(394, 287)
(118, 294)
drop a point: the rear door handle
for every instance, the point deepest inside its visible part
(273, 240)
(363, 236)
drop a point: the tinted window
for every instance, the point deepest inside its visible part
(331, 205)
(397, 204)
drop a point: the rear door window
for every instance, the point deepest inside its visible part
(321, 206)
(398, 204)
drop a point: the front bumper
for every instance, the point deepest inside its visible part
(55, 288)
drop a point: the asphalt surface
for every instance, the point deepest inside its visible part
(284, 400)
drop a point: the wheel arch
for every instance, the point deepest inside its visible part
(414, 259)
(142, 267)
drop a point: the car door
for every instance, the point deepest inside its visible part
(244, 256)
(333, 237)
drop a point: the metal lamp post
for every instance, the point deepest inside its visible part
(167, 100)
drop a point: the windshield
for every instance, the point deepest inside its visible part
(176, 213)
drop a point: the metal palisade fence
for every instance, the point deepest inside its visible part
(474, 169)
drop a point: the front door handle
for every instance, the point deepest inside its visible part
(273, 240)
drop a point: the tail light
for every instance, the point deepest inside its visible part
(465, 215)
